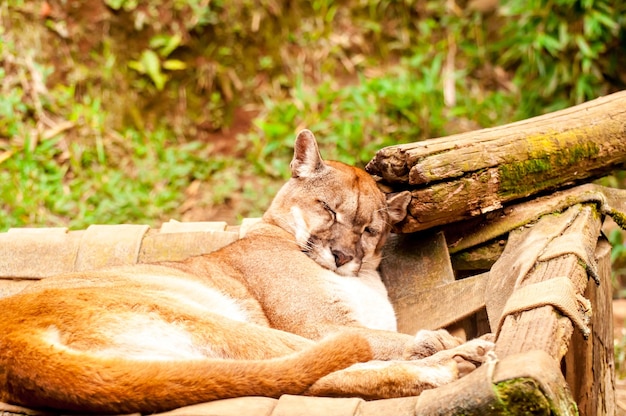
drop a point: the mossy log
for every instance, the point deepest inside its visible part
(465, 175)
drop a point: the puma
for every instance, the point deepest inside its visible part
(294, 307)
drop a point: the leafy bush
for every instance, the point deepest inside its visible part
(353, 122)
(562, 52)
(63, 165)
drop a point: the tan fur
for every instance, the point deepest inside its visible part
(287, 309)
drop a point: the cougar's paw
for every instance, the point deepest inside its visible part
(490, 336)
(471, 355)
(427, 343)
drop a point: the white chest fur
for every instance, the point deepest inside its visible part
(366, 296)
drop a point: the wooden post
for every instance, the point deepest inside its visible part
(554, 247)
(589, 364)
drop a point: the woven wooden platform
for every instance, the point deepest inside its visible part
(544, 364)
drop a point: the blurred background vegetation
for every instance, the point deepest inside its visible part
(127, 111)
(117, 111)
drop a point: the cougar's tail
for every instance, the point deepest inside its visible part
(44, 376)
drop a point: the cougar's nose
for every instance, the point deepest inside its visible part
(341, 258)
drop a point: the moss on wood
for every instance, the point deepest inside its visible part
(550, 156)
(522, 396)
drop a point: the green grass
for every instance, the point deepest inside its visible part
(116, 134)
(78, 187)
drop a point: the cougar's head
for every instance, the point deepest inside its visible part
(336, 213)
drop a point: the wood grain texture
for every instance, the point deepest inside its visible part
(544, 328)
(466, 175)
(589, 364)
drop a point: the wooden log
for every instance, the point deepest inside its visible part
(521, 384)
(466, 175)
(610, 201)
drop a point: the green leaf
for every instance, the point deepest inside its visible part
(169, 45)
(174, 65)
(137, 66)
(152, 67)
(549, 43)
(150, 62)
(115, 4)
(584, 47)
(606, 20)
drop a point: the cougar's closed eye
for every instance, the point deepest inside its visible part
(371, 231)
(327, 207)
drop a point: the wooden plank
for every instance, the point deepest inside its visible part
(178, 246)
(461, 236)
(238, 406)
(523, 248)
(544, 328)
(42, 231)
(109, 245)
(34, 254)
(10, 287)
(289, 405)
(441, 306)
(173, 226)
(466, 175)
(480, 258)
(529, 383)
(589, 364)
(412, 265)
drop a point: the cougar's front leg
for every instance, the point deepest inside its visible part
(398, 378)
(385, 345)
(397, 346)
(427, 343)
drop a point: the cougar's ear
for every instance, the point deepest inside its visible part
(306, 160)
(397, 205)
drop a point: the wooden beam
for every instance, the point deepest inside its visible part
(466, 175)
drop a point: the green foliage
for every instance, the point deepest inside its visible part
(77, 171)
(404, 103)
(154, 61)
(562, 51)
(618, 260)
(116, 125)
(146, 188)
(354, 121)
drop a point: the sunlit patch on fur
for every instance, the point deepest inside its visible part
(438, 374)
(137, 337)
(300, 228)
(367, 297)
(195, 295)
